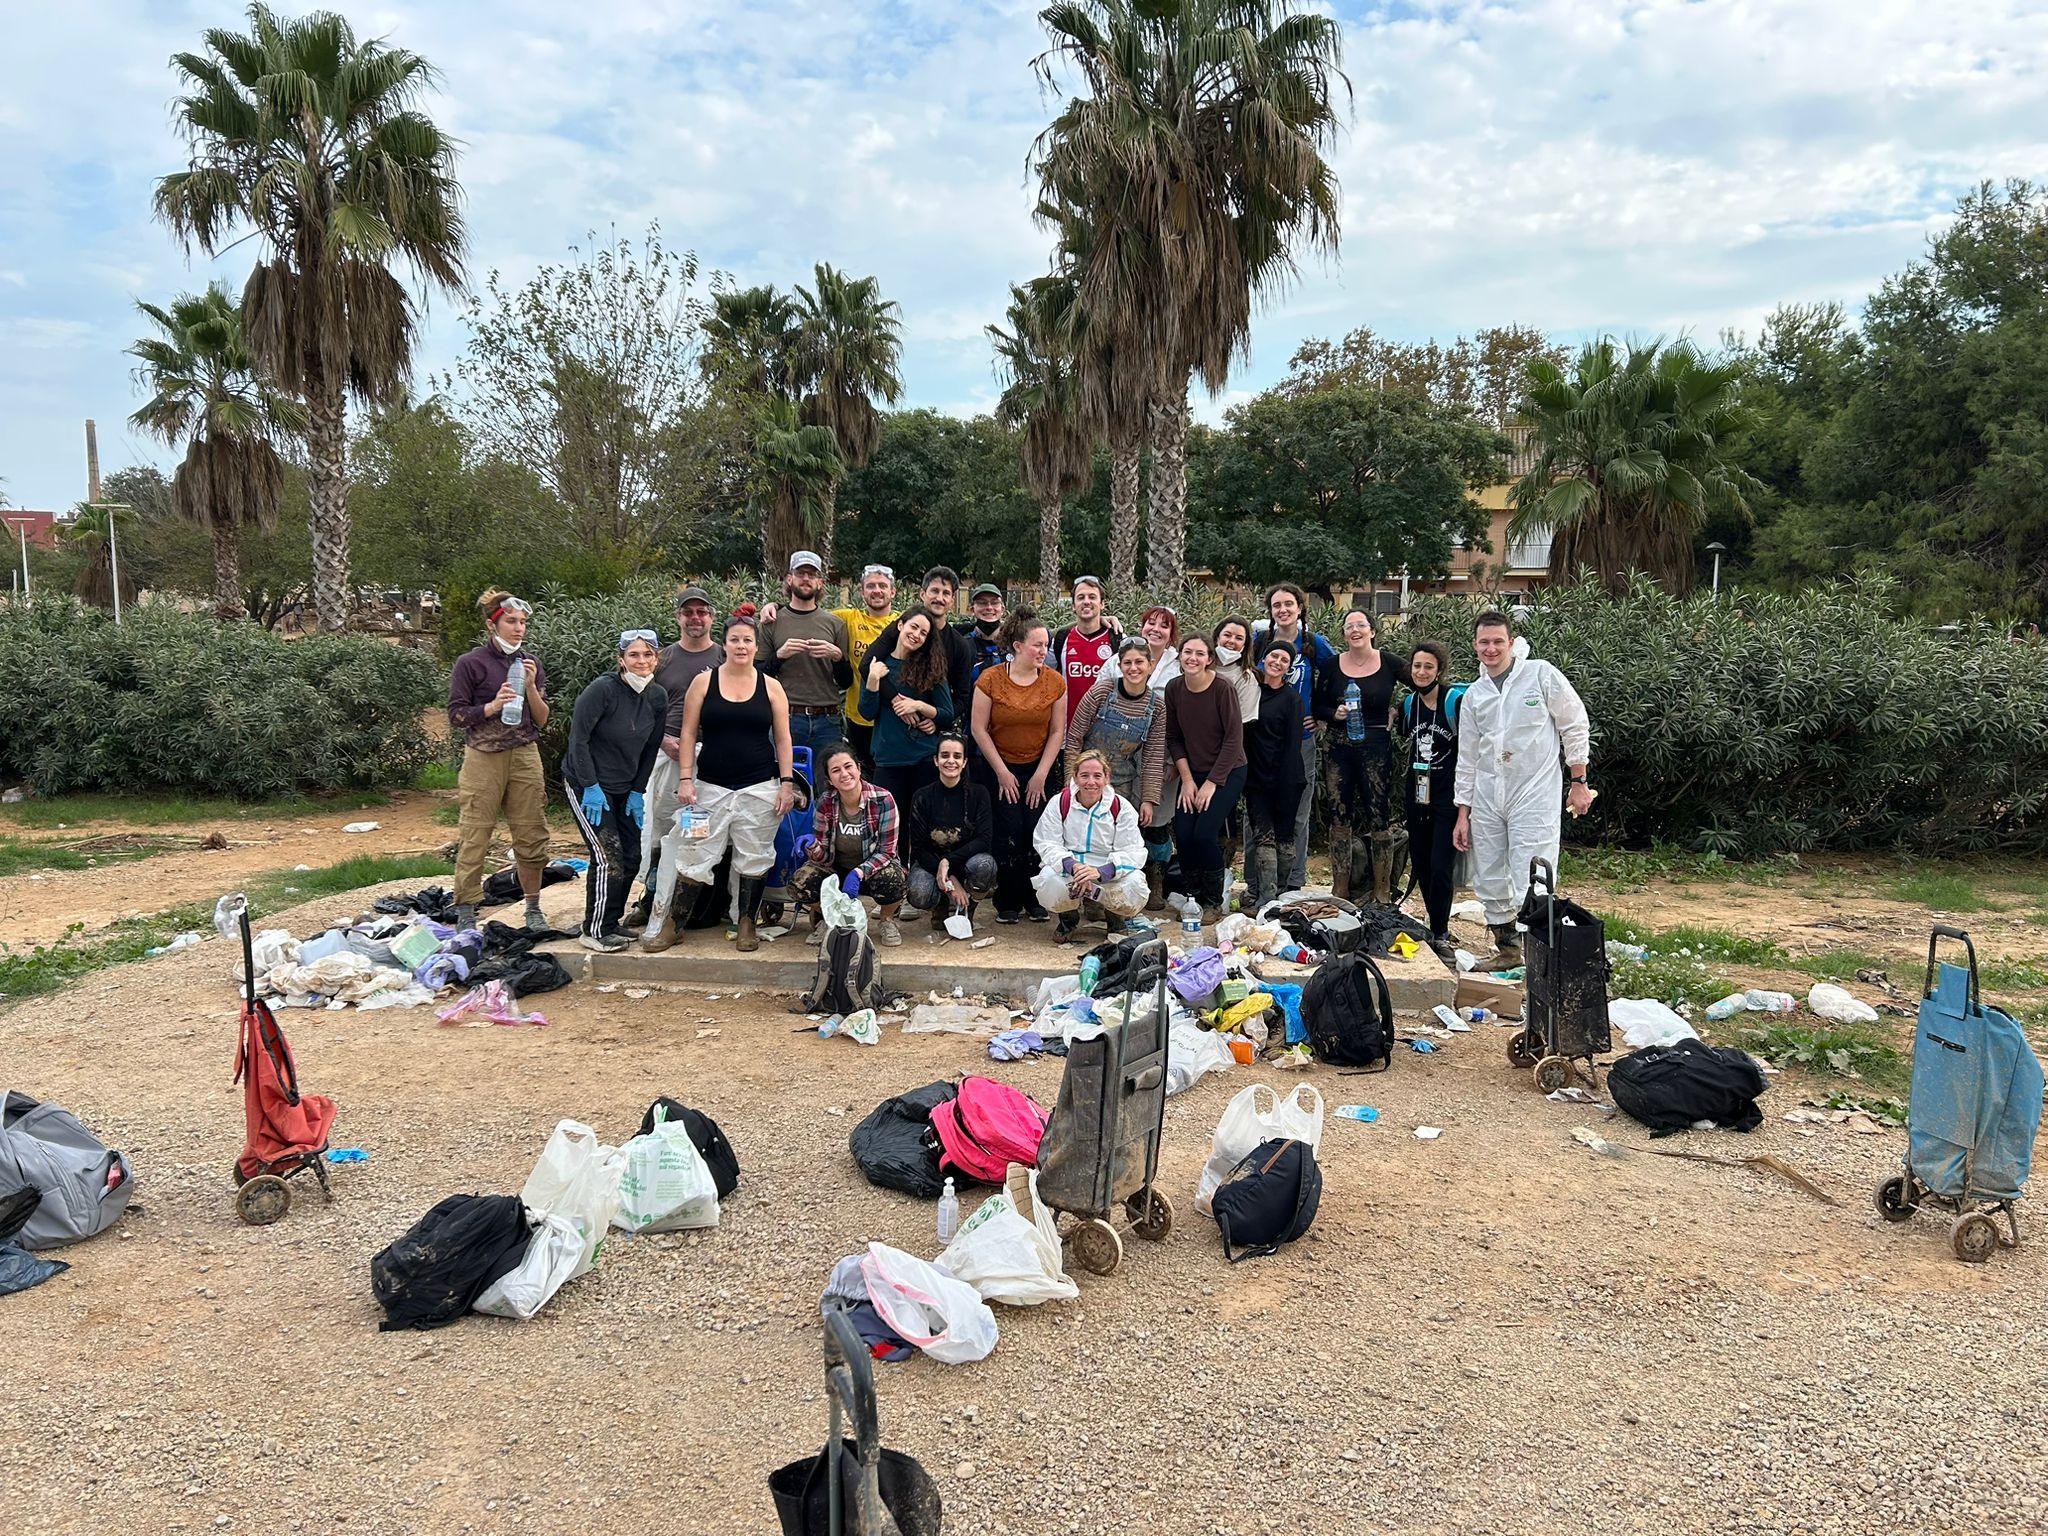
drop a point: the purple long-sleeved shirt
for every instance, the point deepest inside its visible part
(474, 682)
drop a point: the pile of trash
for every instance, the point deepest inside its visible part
(508, 1255)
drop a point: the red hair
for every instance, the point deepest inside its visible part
(1172, 624)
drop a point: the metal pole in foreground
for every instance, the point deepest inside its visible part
(1717, 549)
(22, 529)
(114, 560)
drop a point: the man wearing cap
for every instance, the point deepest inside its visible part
(864, 626)
(806, 649)
(674, 670)
(1081, 650)
(941, 583)
(985, 604)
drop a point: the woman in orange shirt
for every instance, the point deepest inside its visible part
(1020, 724)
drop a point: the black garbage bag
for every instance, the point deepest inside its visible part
(434, 1274)
(20, 1269)
(1669, 1088)
(504, 886)
(1122, 971)
(434, 901)
(896, 1147)
(704, 1135)
(802, 1490)
(15, 1210)
(508, 956)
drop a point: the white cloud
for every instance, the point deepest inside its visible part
(1646, 166)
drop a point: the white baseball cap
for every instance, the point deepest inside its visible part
(804, 557)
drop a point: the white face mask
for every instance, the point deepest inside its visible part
(499, 641)
(636, 682)
(1226, 657)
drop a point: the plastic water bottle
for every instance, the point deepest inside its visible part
(1190, 918)
(1354, 712)
(1091, 972)
(1364, 1113)
(949, 1213)
(515, 707)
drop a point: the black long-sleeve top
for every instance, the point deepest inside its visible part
(1376, 693)
(1272, 739)
(615, 735)
(953, 824)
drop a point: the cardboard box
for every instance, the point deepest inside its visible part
(1482, 991)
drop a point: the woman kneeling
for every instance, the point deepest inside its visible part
(1090, 850)
(855, 840)
(952, 839)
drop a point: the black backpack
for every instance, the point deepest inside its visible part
(1116, 973)
(849, 974)
(1348, 1013)
(434, 1274)
(1669, 1087)
(1268, 1199)
(705, 1136)
(896, 1147)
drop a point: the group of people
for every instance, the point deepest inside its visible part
(1057, 774)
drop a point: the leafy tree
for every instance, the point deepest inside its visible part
(313, 139)
(850, 342)
(941, 491)
(1342, 483)
(205, 395)
(1196, 162)
(1042, 403)
(1629, 460)
(589, 378)
(1484, 374)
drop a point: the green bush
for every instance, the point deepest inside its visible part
(170, 700)
(1758, 724)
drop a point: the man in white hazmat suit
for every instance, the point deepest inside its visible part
(1090, 849)
(1521, 725)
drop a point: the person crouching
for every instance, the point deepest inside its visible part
(856, 840)
(1091, 851)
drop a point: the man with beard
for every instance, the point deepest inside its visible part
(941, 583)
(1084, 647)
(674, 670)
(807, 650)
(864, 626)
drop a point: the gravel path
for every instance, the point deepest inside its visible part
(1497, 1330)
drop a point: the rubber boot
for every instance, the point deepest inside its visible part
(635, 920)
(1286, 868)
(1507, 946)
(1264, 868)
(661, 926)
(1340, 865)
(1382, 852)
(747, 940)
(1155, 887)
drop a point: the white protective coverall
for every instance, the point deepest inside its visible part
(1108, 837)
(1515, 734)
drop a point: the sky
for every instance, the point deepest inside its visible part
(1641, 167)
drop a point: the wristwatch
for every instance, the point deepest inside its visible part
(1581, 782)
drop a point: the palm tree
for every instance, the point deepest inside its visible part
(312, 139)
(205, 394)
(1197, 156)
(799, 469)
(850, 343)
(755, 348)
(1629, 460)
(1041, 403)
(93, 533)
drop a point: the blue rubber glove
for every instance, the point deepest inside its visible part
(636, 807)
(850, 886)
(593, 805)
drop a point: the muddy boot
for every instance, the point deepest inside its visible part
(1155, 887)
(1507, 947)
(1264, 868)
(661, 926)
(1340, 865)
(747, 940)
(1382, 853)
(1210, 882)
(1283, 873)
(635, 919)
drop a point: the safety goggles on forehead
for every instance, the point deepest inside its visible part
(628, 636)
(1088, 581)
(876, 570)
(510, 605)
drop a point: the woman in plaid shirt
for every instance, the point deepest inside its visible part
(855, 839)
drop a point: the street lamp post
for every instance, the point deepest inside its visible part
(1717, 549)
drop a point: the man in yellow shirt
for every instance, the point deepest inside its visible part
(864, 626)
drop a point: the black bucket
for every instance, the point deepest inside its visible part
(801, 1494)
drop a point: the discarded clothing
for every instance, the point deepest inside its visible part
(1016, 1045)
(508, 956)
(344, 978)
(495, 1004)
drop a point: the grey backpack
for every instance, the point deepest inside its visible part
(849, 974)
(46, 1148)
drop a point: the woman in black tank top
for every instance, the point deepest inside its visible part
(735, 791)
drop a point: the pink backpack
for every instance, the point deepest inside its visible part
(988, 1127)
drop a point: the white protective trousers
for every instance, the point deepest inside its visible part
(658, 833)
(1515, 734)
(745, 819)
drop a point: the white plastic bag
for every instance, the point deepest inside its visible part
(926, 1307)
(577, 1177)
(665, 1185)
(1191, 1054)
(1644, 1021)
(1244, 1126)
(1832, 1002)
(551, 1258)
(839, 909)
(1007, 1256)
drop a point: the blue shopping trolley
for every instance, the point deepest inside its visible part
(1974, 1112)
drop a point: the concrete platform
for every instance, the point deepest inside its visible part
(1018, 960)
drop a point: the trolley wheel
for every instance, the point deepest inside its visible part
(1894, 1202)
(235, 1174)
(1097, 1248)
(1525, 1049)
(1552, 1073)
(1973, 1237)
(1151, 1215)
(263, 1199)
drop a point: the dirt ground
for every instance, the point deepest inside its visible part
(1497, 1329)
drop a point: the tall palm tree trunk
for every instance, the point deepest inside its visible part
(828, 523)
(1050, 505)
(327, 496)
(1123, 514)
(227, 568)
(1167, 525)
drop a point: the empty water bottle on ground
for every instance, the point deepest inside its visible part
(515, 707)
(949, 1213)
(1361, 1112)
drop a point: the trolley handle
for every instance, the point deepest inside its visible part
(1543, 866)
(1935, 935)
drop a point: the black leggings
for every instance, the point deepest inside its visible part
(1433, 859)
(614, 859)
(1199, 834)
(1359, 775)
(1271, 811)
(904, 780)
(1015, 821)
